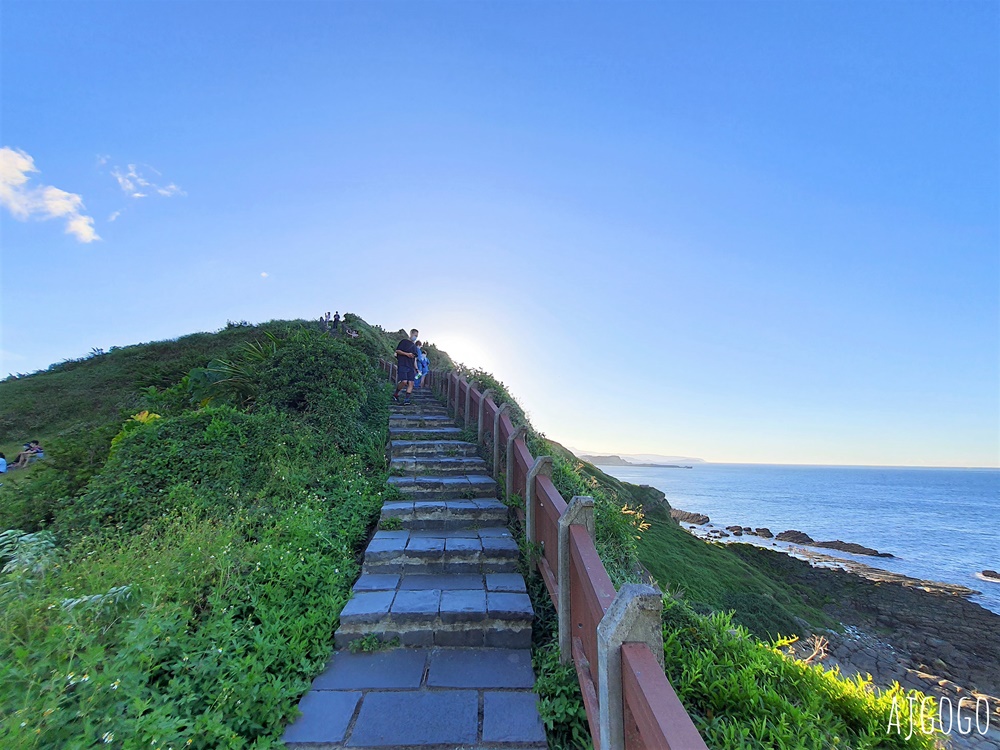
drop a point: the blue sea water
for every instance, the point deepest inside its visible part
(941, 524)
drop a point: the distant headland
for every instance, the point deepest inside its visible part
(659, 462)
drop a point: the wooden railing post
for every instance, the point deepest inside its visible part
(633, 617)
(543, 466)
(468, 402)
(496, 440)
(482, 410)
(518, 433)
(579, 511)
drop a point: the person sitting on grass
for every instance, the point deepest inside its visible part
(31, 450)
(3, 464)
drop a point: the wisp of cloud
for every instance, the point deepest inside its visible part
(26, 201)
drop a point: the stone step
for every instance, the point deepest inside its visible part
(421, 420)
(424, 433)
(440, 465)
(446, 515)
(470, 698)
(418, 411)
(489, 550)
(439, 617)
(458, 487)
(442, 448)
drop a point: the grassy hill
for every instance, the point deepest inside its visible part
(175, 567)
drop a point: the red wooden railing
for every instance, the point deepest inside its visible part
(614, 638)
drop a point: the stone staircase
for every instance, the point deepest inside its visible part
(441, 577)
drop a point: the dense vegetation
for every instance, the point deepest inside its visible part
(174, 579)
(724, 620)
(174, 569)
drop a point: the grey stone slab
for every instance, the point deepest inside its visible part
(500, 546)
(416, 606)
(441, 481)
(461, 505)
(495, 531)
(426, 506)
(396, 668)
(426, 546)
(512, 717)
(480, 668)
(488, 503)
(463, 606)
(384, 548)
(414, 638)
(443, 582)
(401, 482)
(367, 607)
(396, 508)
(443, 534)
(380, 535)
(503, 606)
(394, 719)
(466, 637)
(376, 582)
(505, 582)
(325, 717)
(460, 544)
(480, 479)
(507, 637)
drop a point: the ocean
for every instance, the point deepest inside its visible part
(941, 524)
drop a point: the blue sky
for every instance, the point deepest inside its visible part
(753, 231)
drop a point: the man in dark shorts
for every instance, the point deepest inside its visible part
(406, 366)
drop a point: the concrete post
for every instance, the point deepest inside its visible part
(468, 403)
(518, 433)
(482, 410)
(543, 466)
(633, 617)
(496, 440)
(579, 511)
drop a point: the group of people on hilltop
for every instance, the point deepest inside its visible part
(32, 449)
(412, 366)
(330, 325)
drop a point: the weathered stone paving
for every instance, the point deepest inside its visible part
(444, 582)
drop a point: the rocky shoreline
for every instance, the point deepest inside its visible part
(925, 635)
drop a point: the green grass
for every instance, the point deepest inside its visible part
(187, 580)
(712, 577)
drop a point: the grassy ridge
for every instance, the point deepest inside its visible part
(185, 591)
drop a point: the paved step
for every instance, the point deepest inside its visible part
(403, 412)
(457, 487)
(422, 697)
(490, 550)
(446, 515)
(439, 617)
(421, 420)
(440, 465)
(441, 448)
(424, 433)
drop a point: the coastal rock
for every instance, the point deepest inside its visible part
(765, 532)
(795, 537)
(683, 516)
(991, 574)
(856, 549)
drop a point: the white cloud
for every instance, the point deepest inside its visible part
(114, 215)
(26, 201)
(263, 274)
(136, 183)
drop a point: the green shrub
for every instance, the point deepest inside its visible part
(744, 694)
(202, 562)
